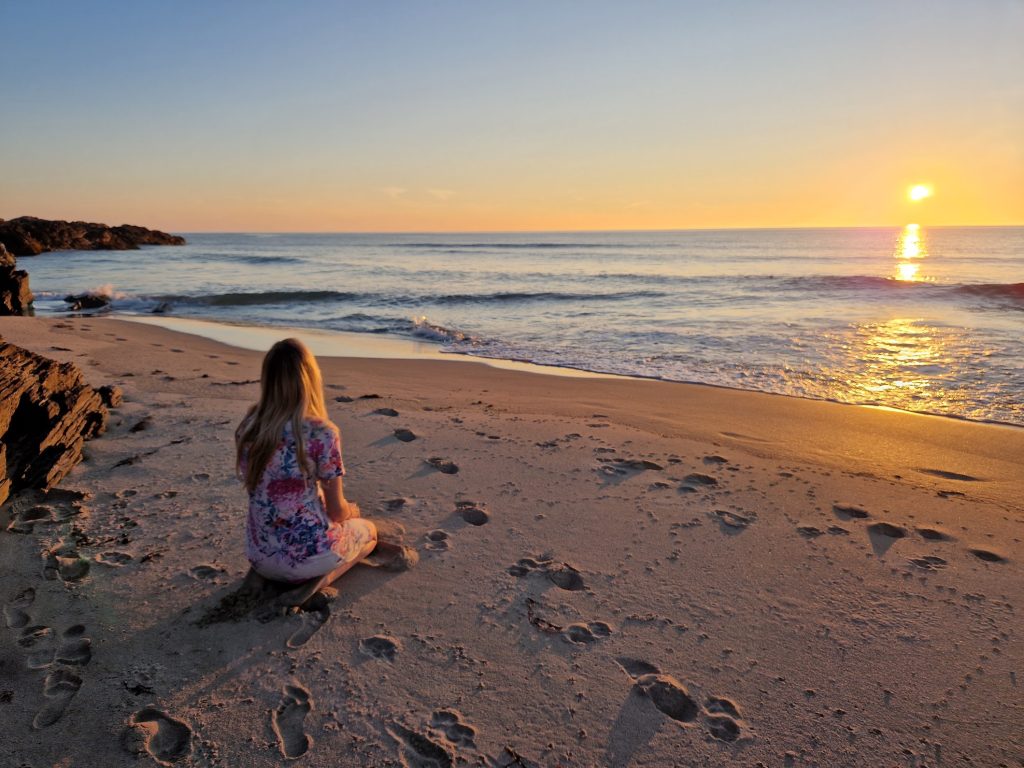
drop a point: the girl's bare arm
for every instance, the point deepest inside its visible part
(338, 508)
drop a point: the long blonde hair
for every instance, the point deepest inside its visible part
(291, 388)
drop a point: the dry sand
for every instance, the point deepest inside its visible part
(618, 573)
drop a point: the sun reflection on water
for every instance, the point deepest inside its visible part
(906, 363)
(911, 247)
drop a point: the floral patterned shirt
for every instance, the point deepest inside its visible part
(287, 521)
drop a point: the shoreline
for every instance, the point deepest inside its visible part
(260, 337)
(619, 572)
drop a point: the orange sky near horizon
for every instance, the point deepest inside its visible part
(343, 117)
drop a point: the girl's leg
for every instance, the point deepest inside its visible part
(306, 590)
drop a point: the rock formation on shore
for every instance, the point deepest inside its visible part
(15, 296)
(29, 236)
(47, 412)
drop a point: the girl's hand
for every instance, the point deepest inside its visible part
(337, 507)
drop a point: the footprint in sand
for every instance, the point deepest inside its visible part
(437, 540)
(698, 478)
(722, 727)
(584, 634)
(638, 465)
(205, 572)
(15, 614)
(393, 505)
(636, 667)
(311, 623)
(405, 435)
(733, 522)
(34, 508)
(288, 721)
(38, 642)
(64, 562)
(59, 689)
(379, 647)
(934, 534)
(74, 647)
(450, 723)
(809, 531)
(669, 696)
(715, 459)
(526, 565)
(562, 575)
(720, 718)
(386, 412)
(44, 648)
(447, 466)
(888, 530)
(113, 559)
(928, 562)
(987, 555)
(26, 520)
(947, 475)
(472, 512)
(143, 424)
(850, 512)
(164, 738)
(417, 751)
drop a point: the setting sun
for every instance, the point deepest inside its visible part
(919, 192)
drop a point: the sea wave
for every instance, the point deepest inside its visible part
(545, 296)
(402, 300)
(1013, 291)
(255, 259)
(254, 298)
(507, 246)
(422, 328)
(995, 290)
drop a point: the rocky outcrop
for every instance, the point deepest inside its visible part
(47, 412)
(29, 236)
(15, 297)
(77, 302)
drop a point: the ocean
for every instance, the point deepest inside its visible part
(916, 318)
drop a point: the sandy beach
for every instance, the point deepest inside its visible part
(612, 572)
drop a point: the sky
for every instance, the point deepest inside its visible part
(501, 116)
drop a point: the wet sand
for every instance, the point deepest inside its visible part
(610, 572)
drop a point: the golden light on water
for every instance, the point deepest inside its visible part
(910, 249)
(907, 271)
(898, 357)
(919, 192)
(904, 362)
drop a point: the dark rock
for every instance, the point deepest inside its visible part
(111, 395)
(29, 236)
(15, 296)
(47, 412)
(87, 301)
(162, 308)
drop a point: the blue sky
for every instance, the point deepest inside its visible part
(526, 115)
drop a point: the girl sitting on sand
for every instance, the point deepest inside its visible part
(301, 530)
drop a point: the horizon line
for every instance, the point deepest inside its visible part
(574, 231)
